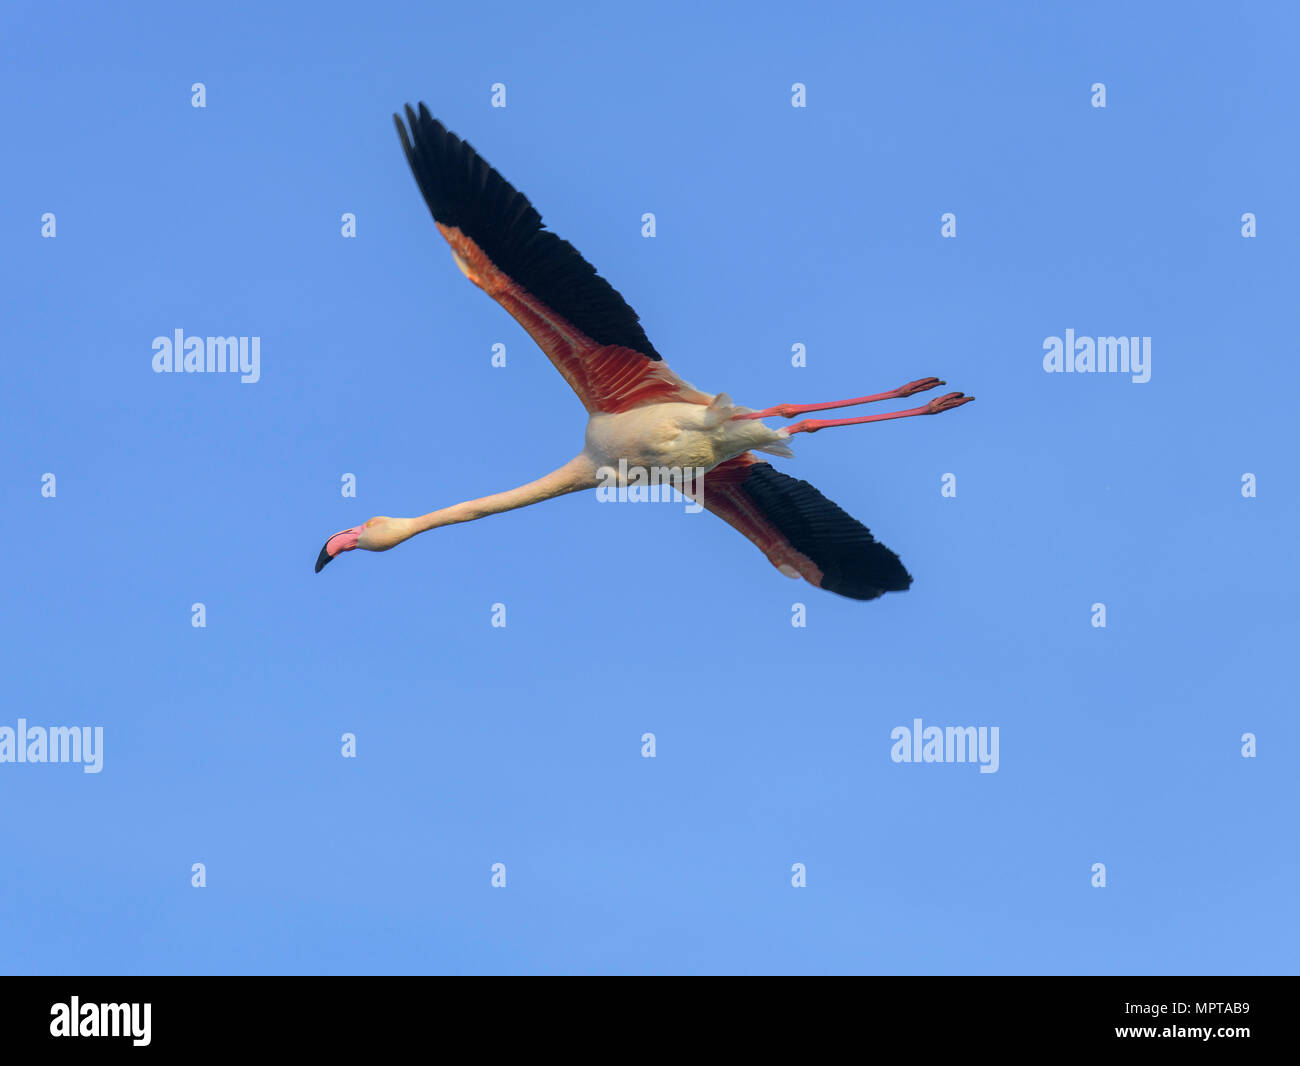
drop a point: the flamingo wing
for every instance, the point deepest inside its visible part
(499, 242)
(801, 531)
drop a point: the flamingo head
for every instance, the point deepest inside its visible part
(378, 534)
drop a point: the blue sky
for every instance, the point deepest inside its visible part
(522, 745)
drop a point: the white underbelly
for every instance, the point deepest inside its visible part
(670, 435)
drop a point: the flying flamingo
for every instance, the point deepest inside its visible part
(638, 409)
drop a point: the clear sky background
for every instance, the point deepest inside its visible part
(775, 226)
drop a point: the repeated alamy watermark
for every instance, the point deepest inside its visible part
(59, 743)
(651, 484)
(954, 743)
(179, 354)
(1098, 355)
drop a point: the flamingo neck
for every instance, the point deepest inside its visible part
(577, 474)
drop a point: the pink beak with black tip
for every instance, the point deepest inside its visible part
(340, 542)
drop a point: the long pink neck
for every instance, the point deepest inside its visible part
(577, 474)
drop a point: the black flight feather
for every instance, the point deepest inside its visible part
(853, 563)
(463, 191)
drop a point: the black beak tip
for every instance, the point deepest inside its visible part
(323, 558)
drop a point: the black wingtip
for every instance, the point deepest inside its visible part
(462, 191)
(853, 563)
(323, 558)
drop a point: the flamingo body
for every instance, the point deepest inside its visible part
(686, 435)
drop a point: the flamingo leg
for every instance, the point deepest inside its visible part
(789, 410)
(943, 403)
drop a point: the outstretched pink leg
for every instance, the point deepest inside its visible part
(943, 403)
(789, 410)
